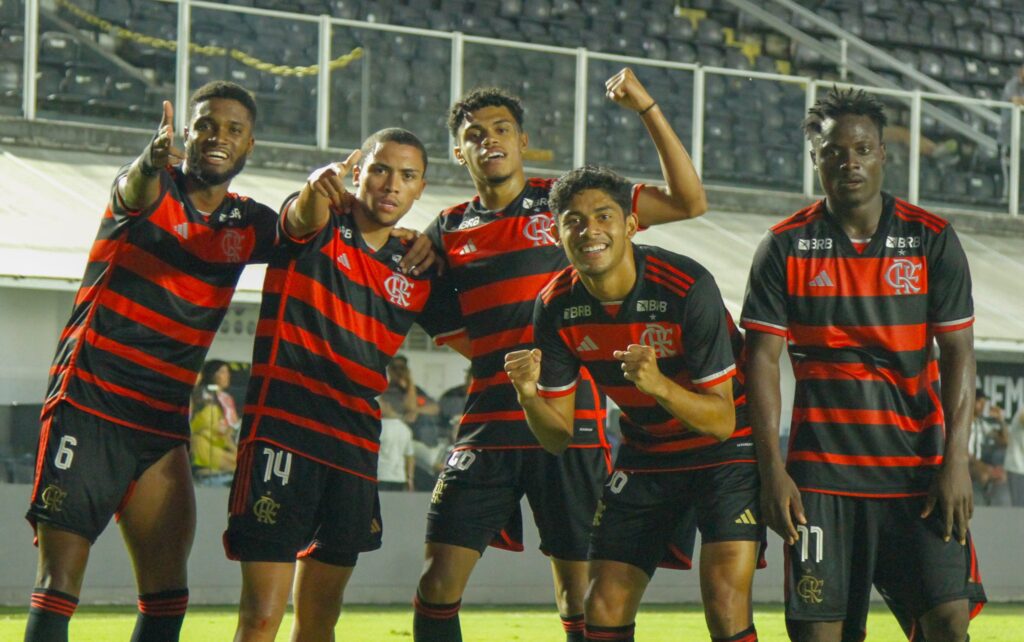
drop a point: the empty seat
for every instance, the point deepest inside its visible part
(57, 47)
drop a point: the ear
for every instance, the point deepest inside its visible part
(632, 225)
(252, 146)
(556, 232)
(419, 192)
(457, 151)
(524, 140)
(881, 148)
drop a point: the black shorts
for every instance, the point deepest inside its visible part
(476, 500)
(643, 515)
(850, 543)
(86, 469)
(284, 506)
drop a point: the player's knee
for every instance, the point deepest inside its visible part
(605, 607)
(946, 622)
(260, 616)
(437, 587)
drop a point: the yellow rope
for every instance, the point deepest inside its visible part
(209, 50)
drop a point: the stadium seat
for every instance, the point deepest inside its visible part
(12, 44)
(57, 47)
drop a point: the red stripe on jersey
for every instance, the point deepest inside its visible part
(558, 284)
(860, 276)
(863, 460)
(749, 324)
(340, 312)
(320, 346)
(479, 385)
(319, 387)
(669, 285)
(941, 329)
(127, 392)
(138, 357)
(504, 292)
(494, 238)
(862, 417)
(154, 320)
(501, 340)
(844, 493)
(807, 215)
(86, 293)
(223, 245)
(915, 214)
(670, 271)
(172, 279)
(896, 338)
(116, 420)
(808, 370)
(312, 425)
(605, 338)
(318, 460)
(675, 469)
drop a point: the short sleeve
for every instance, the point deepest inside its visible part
(117, 206)
(764, 304)
(707, 345)
(950, 303)
(559, 366)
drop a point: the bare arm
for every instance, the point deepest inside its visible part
(140, 187)
(324, 188)
(550, 418)
(410, 472)
(951, 490)
(710, 412)
(780, 498)
(683, 197)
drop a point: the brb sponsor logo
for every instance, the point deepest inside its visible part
(660, 338)
(904, 276)
(398, 289)
(538, 230)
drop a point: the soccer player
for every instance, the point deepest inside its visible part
(861, 286)
(501, 251)
(114, 439)
(335, 310)
(652, 329)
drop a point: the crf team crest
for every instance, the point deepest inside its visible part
(398, 288)
(904, 276)
(660, 338)
(538, 230)
(231, 245)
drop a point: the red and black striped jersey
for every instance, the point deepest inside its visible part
(498, 262)
(156, 287)
(867, 415)
(334, 312)
(676, 309)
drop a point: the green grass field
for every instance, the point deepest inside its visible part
(997, 623)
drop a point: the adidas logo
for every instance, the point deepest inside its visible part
(821, 281)
(746, 517)
(343, 259)
(468, 248)
(182, 230)
(587, 345)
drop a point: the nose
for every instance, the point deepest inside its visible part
(391, 183)
(849, 160)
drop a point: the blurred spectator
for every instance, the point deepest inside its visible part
(986, 451)
(1013, 92)
(214, 421)
(1014, 463)
(420, 412)
(396, 465)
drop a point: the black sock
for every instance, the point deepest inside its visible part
(610, 633)
(160, 616)
(573, 625)
(49, 615)
(436, 622)
(748, 634)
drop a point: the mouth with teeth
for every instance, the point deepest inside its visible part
(215, 156)
(494, 156)
(592, 251)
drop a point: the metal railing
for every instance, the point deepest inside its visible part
(681, 78)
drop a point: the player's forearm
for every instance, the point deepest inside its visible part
(764, 402)
(308, 213)
(552, 429)
(684, 189)
(708, 413)
(957, 371)
(140, 187)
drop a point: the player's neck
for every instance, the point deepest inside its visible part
(614, 284)
(498, 196)
(859, 221)
(374, 234)
(207, 198)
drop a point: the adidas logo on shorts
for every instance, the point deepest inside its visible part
(746, 517)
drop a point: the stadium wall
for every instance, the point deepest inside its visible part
(389, 576)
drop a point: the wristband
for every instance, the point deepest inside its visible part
(647, 108)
